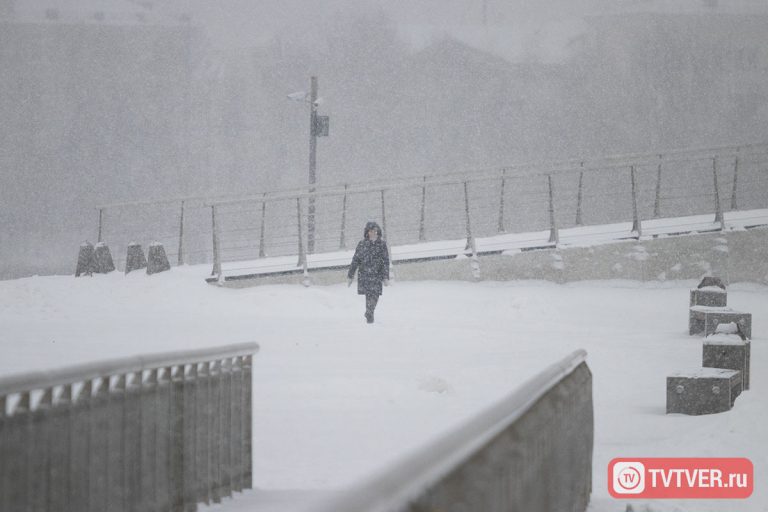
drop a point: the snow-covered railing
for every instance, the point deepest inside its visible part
(530, 451)
(159, 432)
(526, 197)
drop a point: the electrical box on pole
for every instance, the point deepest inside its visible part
(321, 126)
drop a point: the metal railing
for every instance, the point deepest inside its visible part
(521, 198)
(155, 433)
(532, 451)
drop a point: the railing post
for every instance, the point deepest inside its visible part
(579, 197)
(226, 430)
(247, 407)
(236, 445)
(471, 245)
(383, 217)
(657, 199)
(117, 451)
(734, 206)
(19, 485)
(176, 444)
(60, 451)
(422, 217)
(4, 455)
(98, 412)
(163, 438)
(342, 240)
(263, 226)
(554, 236)
(189, 452)
(302, 254)
(101, 219)
(501, 201)
(637, 226)
(718, 208)
(216, 249)
(148, 451)
(203, 458)
(132, 441)
(215, 417)
(39, 452)
(181, 235)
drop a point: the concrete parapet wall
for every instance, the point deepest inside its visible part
(734, 256)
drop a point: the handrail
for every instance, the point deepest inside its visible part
(22, 382)
(555, 166)
(402, 482)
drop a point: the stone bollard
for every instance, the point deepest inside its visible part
(135, 259)
(103, 256)
(703, 391)
(704, 320)
(728, 349)
(710, 292)
(157, 261)
(86, 260)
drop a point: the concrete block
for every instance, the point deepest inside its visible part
(703, 391)
(157, 261)
(704, 320)
(135, 259)
(727, 351)
(711, 296)
(86, 260)
(103, 256)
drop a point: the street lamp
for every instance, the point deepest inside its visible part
(318, 127)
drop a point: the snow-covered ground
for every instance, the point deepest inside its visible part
(336, 399)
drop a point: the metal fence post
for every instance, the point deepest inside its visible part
(247, 407)
(60, 450)
(579, 198)
(302, 254)
(226, 427)
(189, 451)
(203, 457)
(501, 201)
(176, 444)
(148, 450)
(215, 417)
(342, 240)
(216, 249)
(734, 206)
(554, 237)
(637, 226)
(181, 235)
(40, 484)
(474, 263)
(101, 219)
(657, 199)
(236, 445)
(383, 217)
(99, 463)
(718, 209)
(4, 455)
(263, 226)
(423, 213)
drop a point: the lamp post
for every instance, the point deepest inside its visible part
(318, 127)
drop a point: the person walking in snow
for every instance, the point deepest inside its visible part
(371, 260)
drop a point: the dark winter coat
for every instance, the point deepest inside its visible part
(372, 260)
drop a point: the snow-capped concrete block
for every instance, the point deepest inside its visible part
(157, 261)
(728, 351)
(704, 320)
(703, 391)
(711, 296)
(135, 258)
(103, 256)
(86, 260)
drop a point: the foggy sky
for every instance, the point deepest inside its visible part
(101, 112)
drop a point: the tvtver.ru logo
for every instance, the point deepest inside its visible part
(628, 478)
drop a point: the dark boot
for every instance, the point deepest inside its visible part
(370, 306)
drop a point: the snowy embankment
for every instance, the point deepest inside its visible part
(336, 399)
